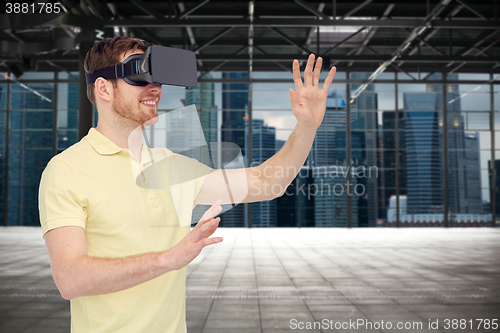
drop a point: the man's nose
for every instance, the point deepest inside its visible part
(154, 87)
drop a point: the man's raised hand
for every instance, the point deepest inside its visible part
(308, 101)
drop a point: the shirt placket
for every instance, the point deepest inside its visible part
(150, 191)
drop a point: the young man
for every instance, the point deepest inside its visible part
(118, 250)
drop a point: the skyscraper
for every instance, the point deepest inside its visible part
(495, 185)
(295, 207)
(364, 144)
(424, 155)
(473, 174)
(30, 149)
(234, 109)
(3, 126)
(389, 155)
(263, 148)
(324, 150)
(456, 157)
(67, 127)
(206, 108)
(330, 200)
(423, 152)
(329, 147)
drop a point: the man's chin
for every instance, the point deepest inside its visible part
(151, 121)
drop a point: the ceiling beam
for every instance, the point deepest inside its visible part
(148, 9)
(355, 9)
(293, 23)
(61, 69)
(372, 30)
(366, 67)
(313, 10)
(45, 46)
(463, 62)
(219, 35)
(277, 41)
(285, 37)
(313, 31)
(343, 41)
(424, 42)
(185, 14)
(479, 42)
(399, 53)
(422, 59)
(472, 10)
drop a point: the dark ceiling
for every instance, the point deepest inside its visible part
(407, 36)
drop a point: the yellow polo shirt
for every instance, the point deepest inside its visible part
(125, 211)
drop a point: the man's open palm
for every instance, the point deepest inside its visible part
(308, 101)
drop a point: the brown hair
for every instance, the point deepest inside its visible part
(107, 52)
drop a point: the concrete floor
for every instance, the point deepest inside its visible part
(273, 280)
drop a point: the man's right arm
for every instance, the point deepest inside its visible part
(76, 274)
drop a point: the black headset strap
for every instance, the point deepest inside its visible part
(118, 71)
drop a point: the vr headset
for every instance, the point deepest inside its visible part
(158, 64)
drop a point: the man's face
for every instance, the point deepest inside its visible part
(136, 103)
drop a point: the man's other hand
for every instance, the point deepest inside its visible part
(308, 101)
(191, 245)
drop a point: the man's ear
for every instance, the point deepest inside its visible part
(103, 89)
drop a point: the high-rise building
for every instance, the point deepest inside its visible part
(324, 150)
(495, 186)
(206, 108)
(473, 174)
(3, 141)
(330, 193)
(388, 160)
(364, 147)
(263, 148)
(329, 147)
(423, 152)
(30, 149)
(296, 206)
(279, 144)
(234, 110)
(67, 127)
(457, 200)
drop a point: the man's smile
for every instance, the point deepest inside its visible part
(150, 101)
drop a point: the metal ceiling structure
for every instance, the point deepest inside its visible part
(414, 36)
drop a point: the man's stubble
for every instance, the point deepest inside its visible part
(128, 111)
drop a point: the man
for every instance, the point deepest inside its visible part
(118, 250)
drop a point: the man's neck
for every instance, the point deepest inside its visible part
(124, 137)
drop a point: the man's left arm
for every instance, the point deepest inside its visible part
(270, 179)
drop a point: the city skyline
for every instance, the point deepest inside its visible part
(469, 140)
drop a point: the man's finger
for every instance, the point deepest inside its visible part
(296, 75)
(329, 78)
(210, 241)
(317, 72)
(215, 209)
(210, 226)
(308, 71)
(206, 229)
(209, 216)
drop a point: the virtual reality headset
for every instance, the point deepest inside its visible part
(158, 64)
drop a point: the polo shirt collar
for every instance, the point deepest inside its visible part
(101, 144)
(105, 146)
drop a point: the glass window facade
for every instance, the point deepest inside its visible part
(405, 155)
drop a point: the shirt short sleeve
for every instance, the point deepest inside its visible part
(61, 198)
